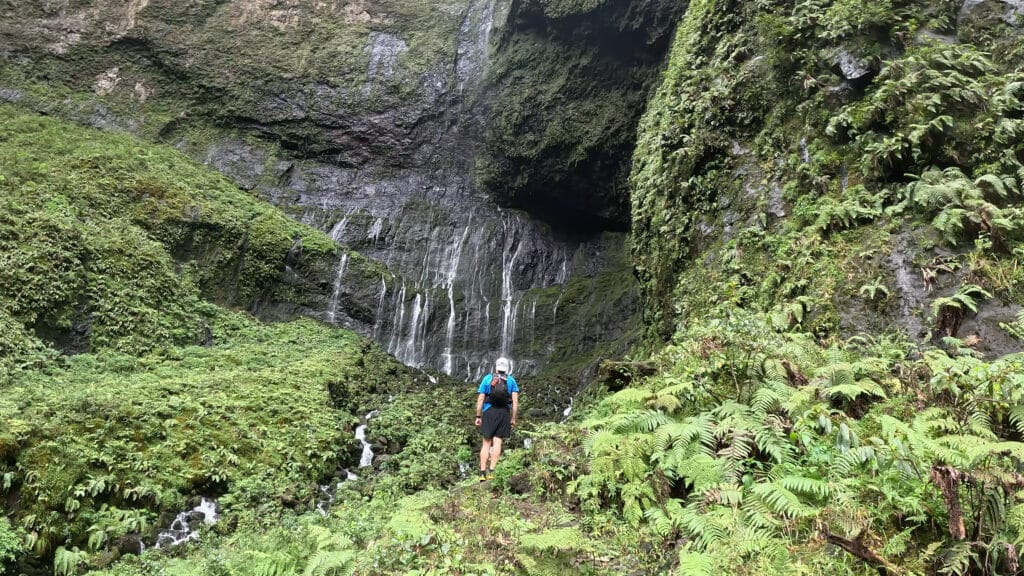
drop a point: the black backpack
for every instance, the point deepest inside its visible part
(499, 396)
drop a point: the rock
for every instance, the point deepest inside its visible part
(11, 95)
(519, 483)
(129, 544)
(853, 68)
(241, 163)
(618, 375)
(983, 12)
(384, 50)
(983, 328)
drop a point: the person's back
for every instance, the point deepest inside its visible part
(497, 394)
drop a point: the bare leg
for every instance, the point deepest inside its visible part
(485, 450)
(495, 452)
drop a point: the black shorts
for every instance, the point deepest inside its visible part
(496, 422)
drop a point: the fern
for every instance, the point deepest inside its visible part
(696, 564)
(556, 539)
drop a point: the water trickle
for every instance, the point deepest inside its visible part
(508, 306)
(567, 412)
(366, 459)
(373, 234)
(181, 530)
(396, 324)
(332, 310)
(452, 271)
(328, 493)
(380, 308)
(407, 350)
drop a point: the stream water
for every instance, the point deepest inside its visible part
(185, 527)
(328, 492)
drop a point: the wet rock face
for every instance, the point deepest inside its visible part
(571, 80)
(368, 120)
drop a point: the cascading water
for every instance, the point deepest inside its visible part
(447, 280)
(366, 459)
(185, 527)
(508, 305)
(332, 311)
(328, 492)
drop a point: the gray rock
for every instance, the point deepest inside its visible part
(993, 341)
(976, 11)
(851, 66)
(11, 95)
(384, 50)
(241, 163)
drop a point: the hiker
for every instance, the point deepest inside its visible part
(497, 393)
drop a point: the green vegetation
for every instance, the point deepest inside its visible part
(770, 453)
(818, 250)
(781, 213)
(120, 252)
(109, 243)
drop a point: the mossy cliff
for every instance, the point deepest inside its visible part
(570, 80)
(127, 385)
(308, 75)
(364, 119)
(112, 243)
(816, 160)
(826, 208)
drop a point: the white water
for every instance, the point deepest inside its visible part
(407, 350)
(332, 311)
(396, 325)
(180, 530)
(375, 229)
(452, 271)
(367, 457)
(567, 412)
(380, 308)
(508, 306)
(328, 493)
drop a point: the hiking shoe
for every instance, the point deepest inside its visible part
(490, 475)
(484, 476)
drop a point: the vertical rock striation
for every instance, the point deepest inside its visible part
(375, 121)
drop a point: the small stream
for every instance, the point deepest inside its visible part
(185, 527)
(328, 492)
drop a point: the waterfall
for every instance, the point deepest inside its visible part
(366, 459)
(407, 351)
(462, 275)
(396, 325)
(453, 269)
(508, 306)
(181, 530)
(332, 311)
(380, 308)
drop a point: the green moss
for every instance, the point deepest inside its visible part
(567, 104)
(731, 144)
(124, 240)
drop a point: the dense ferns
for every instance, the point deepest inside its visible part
(904, 459)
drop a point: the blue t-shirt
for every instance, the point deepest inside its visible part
(485, 387)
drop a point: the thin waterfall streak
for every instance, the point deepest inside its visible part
(407, 351)
(396, 327)
(332, 311)
(509, 256)
(453, 270)
(380, 308)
